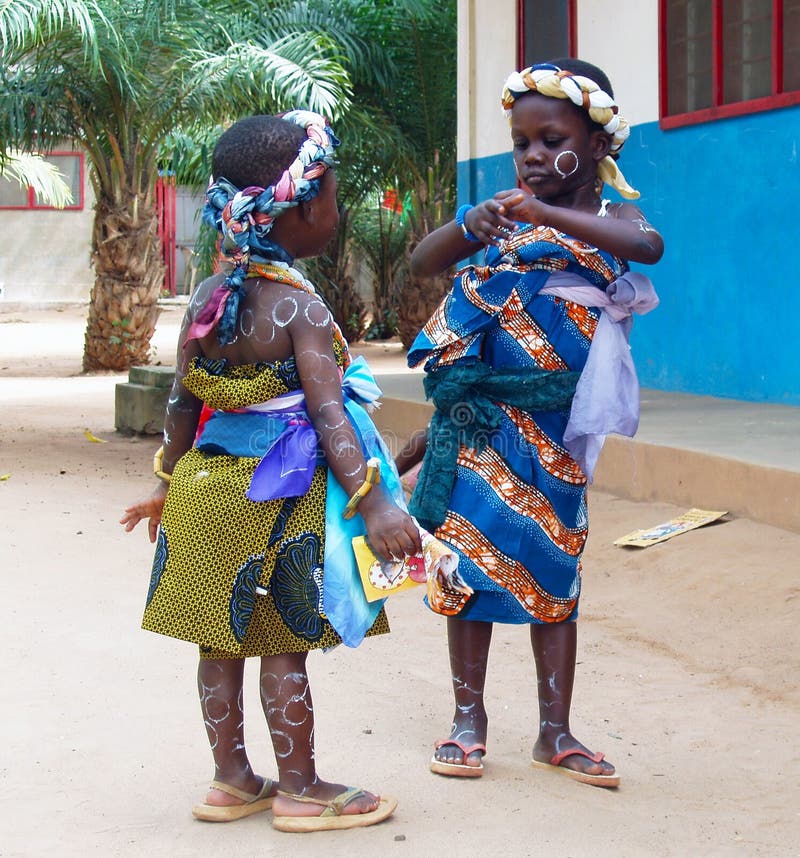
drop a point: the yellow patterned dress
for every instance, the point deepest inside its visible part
(241, 578)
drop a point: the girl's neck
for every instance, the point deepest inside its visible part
(583, 198)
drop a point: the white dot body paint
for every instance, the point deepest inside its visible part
(342, 446)
(338, 415)
(282, 744)
(314, 363)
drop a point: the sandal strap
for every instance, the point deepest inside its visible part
(562, 755)
(248, 797)
(466, 750)
(334, 806)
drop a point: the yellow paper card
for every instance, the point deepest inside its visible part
(382, 579)
(689, 520)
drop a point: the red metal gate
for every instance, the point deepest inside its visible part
(166, 196)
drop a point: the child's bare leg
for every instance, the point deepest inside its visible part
(468, 641)
(286, 698)
(554, 650)
(219, 683)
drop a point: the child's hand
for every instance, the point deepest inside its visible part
(489, 221)
(150, 508)
(390, 531)
(523, 207)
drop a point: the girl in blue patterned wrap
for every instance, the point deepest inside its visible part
(507, 356)
(265, 436)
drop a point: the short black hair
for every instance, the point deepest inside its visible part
(256, 150)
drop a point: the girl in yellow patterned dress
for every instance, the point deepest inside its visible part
(268, 459)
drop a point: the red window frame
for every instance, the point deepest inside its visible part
(75, 206)
(719, 110)
(572, 31)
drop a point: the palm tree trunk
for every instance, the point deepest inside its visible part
(418, 300)
(129, 276)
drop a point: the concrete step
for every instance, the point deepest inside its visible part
(140, 403)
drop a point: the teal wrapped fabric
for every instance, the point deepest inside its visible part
(466, 397)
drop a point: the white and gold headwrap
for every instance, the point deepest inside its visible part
(583, 92)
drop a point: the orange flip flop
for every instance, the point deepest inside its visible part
(583, 777)
(458, 770)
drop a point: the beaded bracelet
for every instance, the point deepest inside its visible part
(460, 215)
(372, 479)
(157, 469)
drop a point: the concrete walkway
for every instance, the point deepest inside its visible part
(697, 451)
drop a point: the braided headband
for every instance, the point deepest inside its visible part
(245, 217)
(583, 92)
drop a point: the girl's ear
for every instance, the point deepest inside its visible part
(601, 144)
(306, 211)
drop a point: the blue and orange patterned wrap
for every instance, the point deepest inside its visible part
(517, 513)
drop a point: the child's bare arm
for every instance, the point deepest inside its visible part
(489, 221)
(180, 425)
(413, 451)
(391, 531)
(441, 249)
(625, 232)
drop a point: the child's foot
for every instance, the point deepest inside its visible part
(571, 758)
(301, 801)
(227, 803)
(464, 748)
(328, 807)
(253, 785)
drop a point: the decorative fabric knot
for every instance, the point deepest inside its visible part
(468, 399)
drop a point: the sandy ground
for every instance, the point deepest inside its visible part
(687, 675)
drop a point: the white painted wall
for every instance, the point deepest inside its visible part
(621, 37)
(46, 255)
(487, 40)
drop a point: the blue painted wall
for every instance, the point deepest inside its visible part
(726, 197)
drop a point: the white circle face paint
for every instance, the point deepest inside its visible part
(559, 168)
(284, 311)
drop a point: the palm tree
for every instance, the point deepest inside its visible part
(399, 133)
(352, 29)
(423, 104)
(117, 76)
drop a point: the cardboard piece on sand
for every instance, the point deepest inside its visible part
(688, 520)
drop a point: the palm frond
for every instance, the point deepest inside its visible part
(33, 171)
(26, 22)
(297, 70)
(354, 27)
